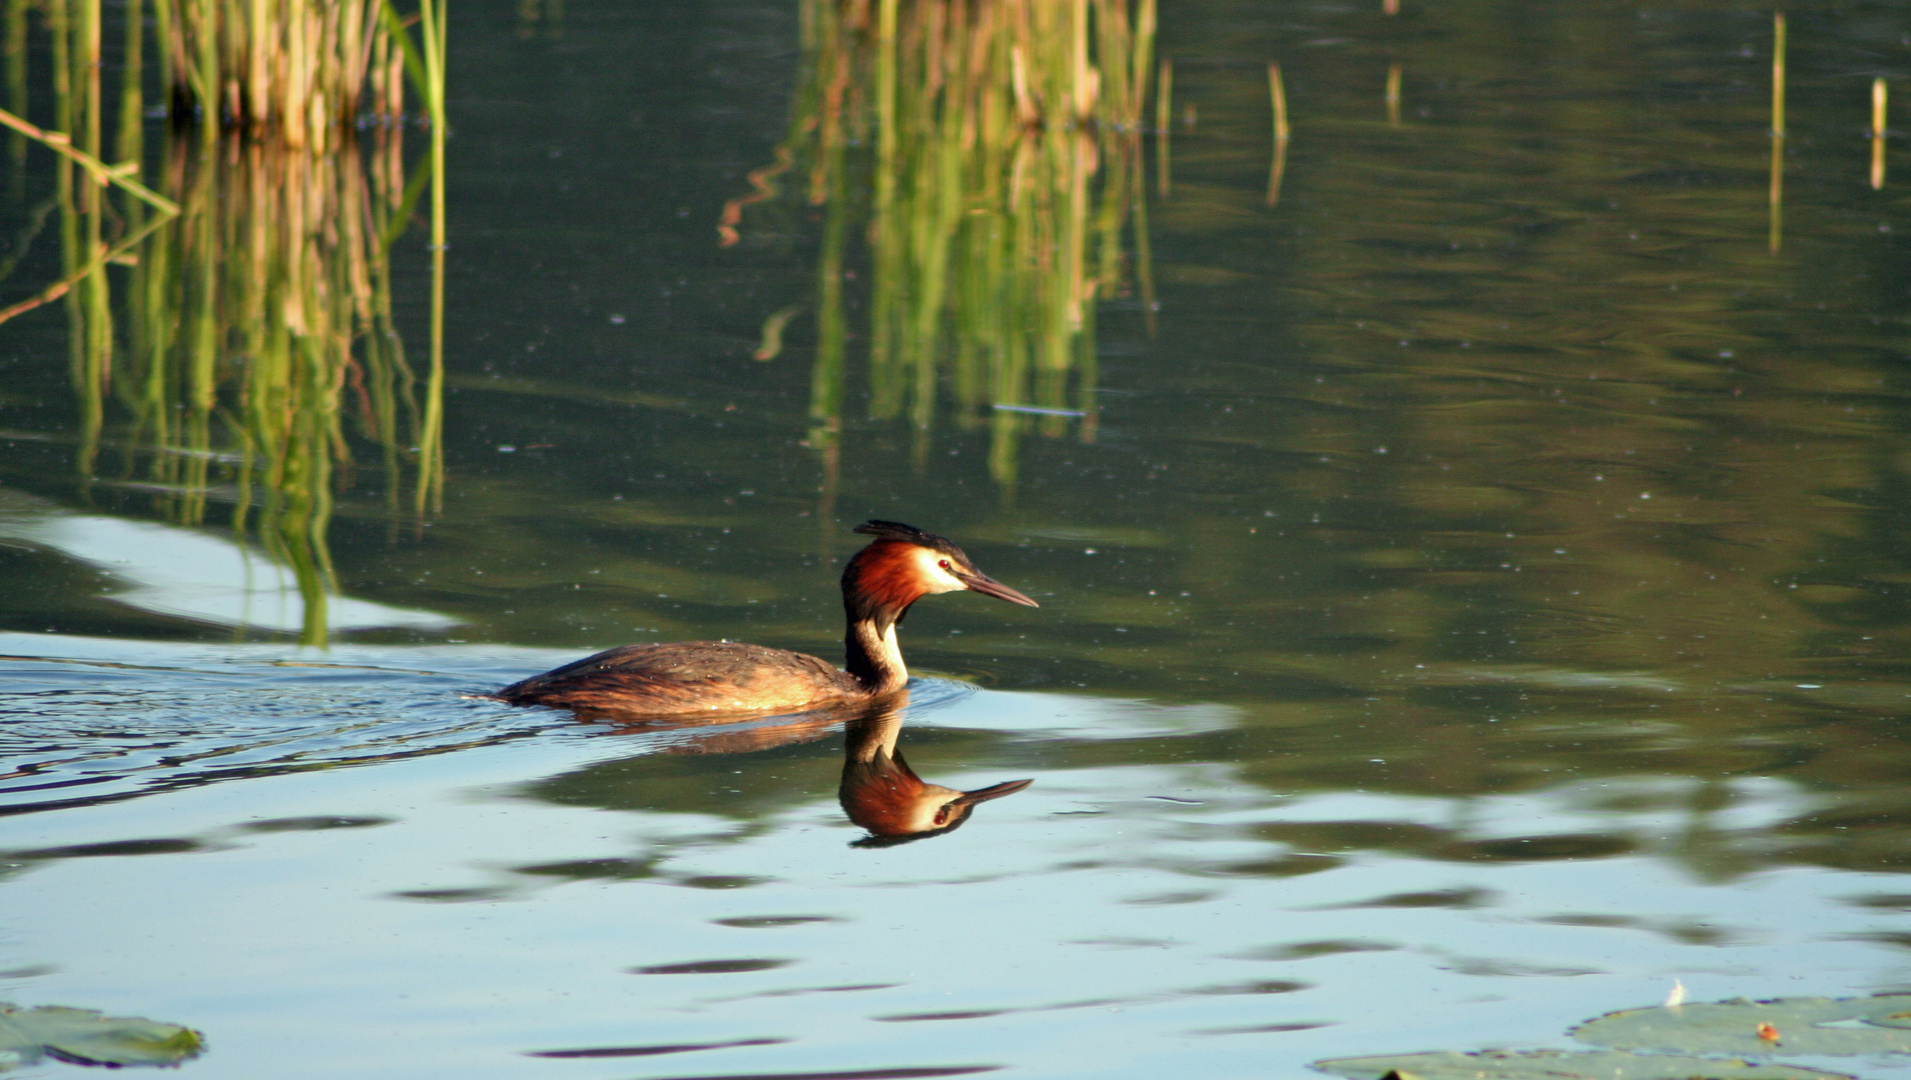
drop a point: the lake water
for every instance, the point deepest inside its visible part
(1476, 587)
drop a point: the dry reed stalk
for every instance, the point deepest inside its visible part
(296, 70)
(1877, 132)
(1395, 73)
(102, 173)
(104, 258)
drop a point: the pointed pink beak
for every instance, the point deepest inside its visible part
(988, 586)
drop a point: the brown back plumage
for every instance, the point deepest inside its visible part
(684, 677)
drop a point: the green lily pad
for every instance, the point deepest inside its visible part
(85, 1037)
(1561, 1065)
(1825, 1026)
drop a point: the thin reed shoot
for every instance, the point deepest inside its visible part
(1776, 227)
(1164, 121)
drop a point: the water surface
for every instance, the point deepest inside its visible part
(1477, 601)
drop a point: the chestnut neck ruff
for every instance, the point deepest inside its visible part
(879, 584)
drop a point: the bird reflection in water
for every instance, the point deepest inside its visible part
(879, 791)
(723, 735)
(883, 794)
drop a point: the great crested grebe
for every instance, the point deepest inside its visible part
(902, 565)
(883, 794)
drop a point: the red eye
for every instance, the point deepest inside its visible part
(945, 565)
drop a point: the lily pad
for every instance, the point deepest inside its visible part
(86, 1037)
(1562, 1065)
(1819, 1026)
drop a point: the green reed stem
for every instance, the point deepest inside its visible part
(1164, 121)
(17, 96)
(431, 464)
(1776, 226)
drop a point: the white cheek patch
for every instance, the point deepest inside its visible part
(934, 577)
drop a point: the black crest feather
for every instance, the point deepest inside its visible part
(908, 534)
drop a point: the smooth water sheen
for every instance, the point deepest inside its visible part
(1481, 599)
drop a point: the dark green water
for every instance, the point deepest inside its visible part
(1479, 600)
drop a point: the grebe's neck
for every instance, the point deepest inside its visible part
(879, 584)
(874, 658)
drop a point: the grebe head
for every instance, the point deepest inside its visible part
(904, 564)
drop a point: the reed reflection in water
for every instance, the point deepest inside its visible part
(250, 354)
(264, 342)
(991, 152)
(251, 359)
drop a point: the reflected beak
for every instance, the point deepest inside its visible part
(994, 791)
(988, 586)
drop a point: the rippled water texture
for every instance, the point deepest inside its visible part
(1473, 568)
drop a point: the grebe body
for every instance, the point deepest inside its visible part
(686, 676)
(900, 566)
